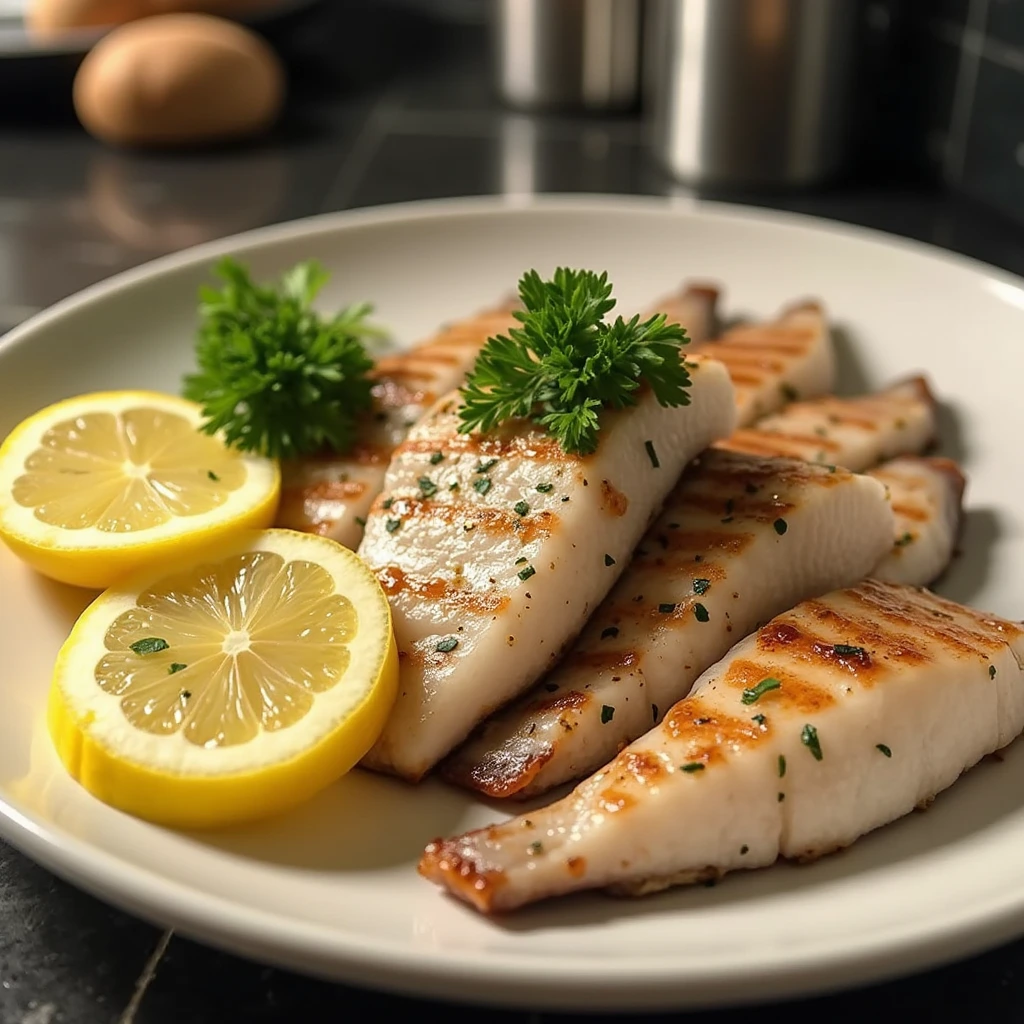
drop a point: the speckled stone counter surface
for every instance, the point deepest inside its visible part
(363, 129)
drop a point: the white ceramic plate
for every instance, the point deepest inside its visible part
(331, 889)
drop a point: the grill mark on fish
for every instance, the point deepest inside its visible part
(738, 507)
(705, 730)
(951, 635)
(795, 693)
(909, 511)
(334, 490)
(450, 592)
(769, 441)
(567, 700)
(532, 446)
(497, 521)
(785, 637)
(758, 340)
(697, 542)
(604, 660)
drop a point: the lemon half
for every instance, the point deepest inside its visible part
(233, 688)
(101, 485)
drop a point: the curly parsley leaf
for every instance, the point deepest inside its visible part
(274, 375)
(566, 362)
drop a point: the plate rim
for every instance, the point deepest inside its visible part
(566, 983)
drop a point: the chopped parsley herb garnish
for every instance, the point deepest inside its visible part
(427, 487)
(449, 643)
(991, 671)
(831, 468)
(608, 560)
(652, 454)
(744, 850)
(436, 457)
(809, 738)
(902, 542)
(526, 572)
(693, 766)
(213, 476)
(654, 712)
(150, 645)
(535, 847)
(782, 766)
(754, 693)
(609, 631)
(485, 465)
(521, 559)
(884, 749)
(186, 694)
(483, 485)
(360, 521)
(701, 612)
(392, 524)
(388, 502)
(849, 651)
(760, 719)
(666, 608)
(454, 485)
(566, 498)
(520, 508)
(545, 488)
(701, 586)
(781, 526)
(607, 713)
(175, 666)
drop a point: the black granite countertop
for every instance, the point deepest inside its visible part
(412, 119)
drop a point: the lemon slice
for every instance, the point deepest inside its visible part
(232, 689)
(100, 485)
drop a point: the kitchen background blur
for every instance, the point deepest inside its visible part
(391, 100)
(904, 115)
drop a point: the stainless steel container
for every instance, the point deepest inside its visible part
(582, 54)
(750, 92)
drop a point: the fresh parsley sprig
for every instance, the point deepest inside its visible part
(274, 375)
(566, 362)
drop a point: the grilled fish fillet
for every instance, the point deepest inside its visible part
(887, 693)
(495, 549)
(927, 499)
(774, 363)
(695, 306)
(331, 494)
(856, 433)
(741, 539)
